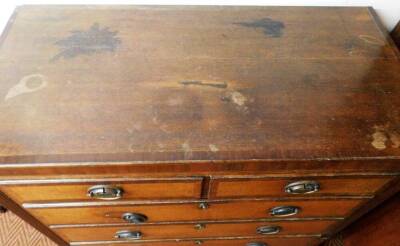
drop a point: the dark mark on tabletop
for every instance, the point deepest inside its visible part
(94, 40)
(272, 28)
(221, 85)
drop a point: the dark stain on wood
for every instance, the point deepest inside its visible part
(271, 28)
(221, 85)
(94, 40)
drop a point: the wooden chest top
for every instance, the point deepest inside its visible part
(154, 84)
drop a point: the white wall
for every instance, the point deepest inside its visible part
(388, 10)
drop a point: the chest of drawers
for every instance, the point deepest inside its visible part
(253, 126)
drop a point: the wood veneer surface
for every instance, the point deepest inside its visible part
(170, 83)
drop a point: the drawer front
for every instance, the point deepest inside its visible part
(191, 211)
(287, 241)
(266, 242)
(193, 230)
(263, 187)
(107, 190)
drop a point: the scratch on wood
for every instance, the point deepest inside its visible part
(27, 84)
(221, 85)
(371, 40)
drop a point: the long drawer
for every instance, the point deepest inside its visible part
(194, 211)
(107, 189)
(320, 186)
(287, 241)
(194, 231)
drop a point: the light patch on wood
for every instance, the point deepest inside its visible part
(27, 84)
(371, 40)
(187, 150)
(379, 140)
(213, 147)
(384, 135)
(237, 98)
(155, 120)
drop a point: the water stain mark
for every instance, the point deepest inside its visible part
(93, 40)
(271, 28)
(27, 84)
(383, 136)
(217, 84)
(213, 148)
(236, 98)
(379, 140)
(187, 150)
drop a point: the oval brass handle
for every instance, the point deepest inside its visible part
(256, 244)
(302, 187)
(282, 211)
(128, 235)
(198, 242)
(105, 192)
(267, 230)
(134, 218)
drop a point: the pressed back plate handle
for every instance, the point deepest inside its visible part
(283, 211)
(256, 244)
(105, 192)
(134, 218)
(128, 235)
(267, 230)
(302, 187)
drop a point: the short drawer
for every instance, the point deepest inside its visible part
(264, 187)
(249, 241)
(229, 210)
(194, 230)
(107, 189)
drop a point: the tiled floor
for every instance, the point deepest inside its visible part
(16, 232)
